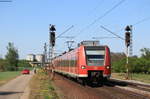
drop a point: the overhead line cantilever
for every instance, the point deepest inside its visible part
(64, 32)
(112, 33)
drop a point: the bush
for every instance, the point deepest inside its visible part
(119, 66)
(23, 63)
(136, 65)
(4, 66)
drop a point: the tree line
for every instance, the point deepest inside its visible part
(11, 61)
(136, 64)
(140, 64)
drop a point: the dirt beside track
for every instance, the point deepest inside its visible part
(69, 89)
(72, 90)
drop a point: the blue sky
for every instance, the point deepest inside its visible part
(26, 22)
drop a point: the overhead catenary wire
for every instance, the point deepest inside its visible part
(107, 12)
(141, 21)
(61, 34)
(93, 22)
(5, 0)
(103, 37)
(98, 5)
(100, 17)
(136, 23)
(68, 37)
(112, 33)
(64, 32)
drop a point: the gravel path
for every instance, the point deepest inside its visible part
(15, 88)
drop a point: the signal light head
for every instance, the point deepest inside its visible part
(127, 38)
(52, 38)
(128, 30)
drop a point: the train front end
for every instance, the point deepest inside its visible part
(95, 63)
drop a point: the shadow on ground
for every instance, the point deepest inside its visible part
(8, 93)
(110, 83)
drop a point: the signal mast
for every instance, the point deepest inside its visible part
(51, 49)
(128, 43)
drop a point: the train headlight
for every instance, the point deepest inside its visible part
(83, 67)
(107, 67)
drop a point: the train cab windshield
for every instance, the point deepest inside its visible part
(95, 56)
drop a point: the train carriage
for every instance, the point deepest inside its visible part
(89, 63)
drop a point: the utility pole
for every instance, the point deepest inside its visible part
(127, 43)
(45, 54)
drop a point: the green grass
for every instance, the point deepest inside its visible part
(41, 87)
(6, 76)
(138, 77)
(142, 77)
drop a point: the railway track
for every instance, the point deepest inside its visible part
(144, 87)
(109, 90)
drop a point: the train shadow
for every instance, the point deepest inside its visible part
(109, 83)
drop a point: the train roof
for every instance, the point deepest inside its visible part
(88, 43)
(89, 47)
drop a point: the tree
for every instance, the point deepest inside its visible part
(117, 56)
(23, 64)
(145, 53)
(119, 66)
(136, 65)
(3, 64)
(12, 57)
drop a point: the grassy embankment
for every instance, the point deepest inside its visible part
(138, 77)
(41, 87)
(7, 76)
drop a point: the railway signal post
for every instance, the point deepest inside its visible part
(128, 30)
(52, 44)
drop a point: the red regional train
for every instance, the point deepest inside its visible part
(89, 63)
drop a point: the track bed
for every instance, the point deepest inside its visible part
(69, 89)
